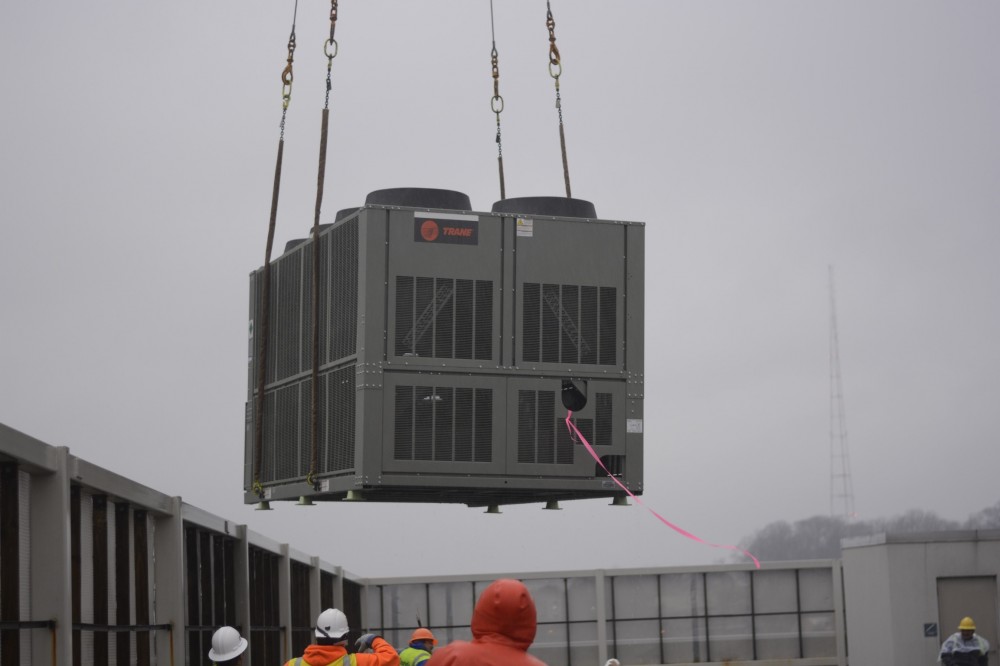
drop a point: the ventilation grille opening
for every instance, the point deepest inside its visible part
(287, 452)
(614, 464)
(570, 324)
(443, 423)
(444, 318)
(542, 435)
(290, 328)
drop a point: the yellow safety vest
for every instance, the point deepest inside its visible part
(409, 656)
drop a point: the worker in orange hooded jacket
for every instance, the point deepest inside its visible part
(503, 628)
(330, 647)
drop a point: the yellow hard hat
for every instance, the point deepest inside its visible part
(967, 624)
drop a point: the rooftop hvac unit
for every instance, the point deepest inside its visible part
(450, 342)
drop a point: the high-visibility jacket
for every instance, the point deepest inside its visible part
(333, 655)
(411, 656)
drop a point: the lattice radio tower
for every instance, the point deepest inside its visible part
(841, 486)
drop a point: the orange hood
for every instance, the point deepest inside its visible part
(505, 613)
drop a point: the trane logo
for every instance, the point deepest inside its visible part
(443, 230)
(429, 230)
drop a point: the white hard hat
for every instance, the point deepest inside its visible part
(226, 644)
(331, 623)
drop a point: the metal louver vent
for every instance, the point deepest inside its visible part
(286, 424)
(341, 246)
(336, 451)
(287, 418)
(290, 320)
(569, 324)
(285, 324)
(306, 329)
(541, 435)
(443, 423)
(444, 318)
(603, 417)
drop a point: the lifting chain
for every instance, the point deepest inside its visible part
(286, 74)
(554, 60)
(330, 49)
(496, 103)
(286, 80)
(555, 71)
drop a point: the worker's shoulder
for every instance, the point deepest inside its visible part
(447, 654)
(372, 658)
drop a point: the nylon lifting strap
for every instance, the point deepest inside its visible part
(265, 287)
(330, 50)
(496, 104)
(555, 71)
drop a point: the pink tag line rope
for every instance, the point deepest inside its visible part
(578, 436)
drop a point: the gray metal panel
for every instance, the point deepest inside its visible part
(635, 320)
(571, 252)
(372, 251)
(372, 261)
(508, 294)
(478, 259)
(635, 299)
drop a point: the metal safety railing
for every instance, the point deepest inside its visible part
(124, 628)
(33, 624)
(51, 625)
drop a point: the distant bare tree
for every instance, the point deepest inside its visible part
(774, 541)
(987, 519)
(914, 520)
(819, 537)
(808, 539)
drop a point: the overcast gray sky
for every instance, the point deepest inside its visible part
(760, 141)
